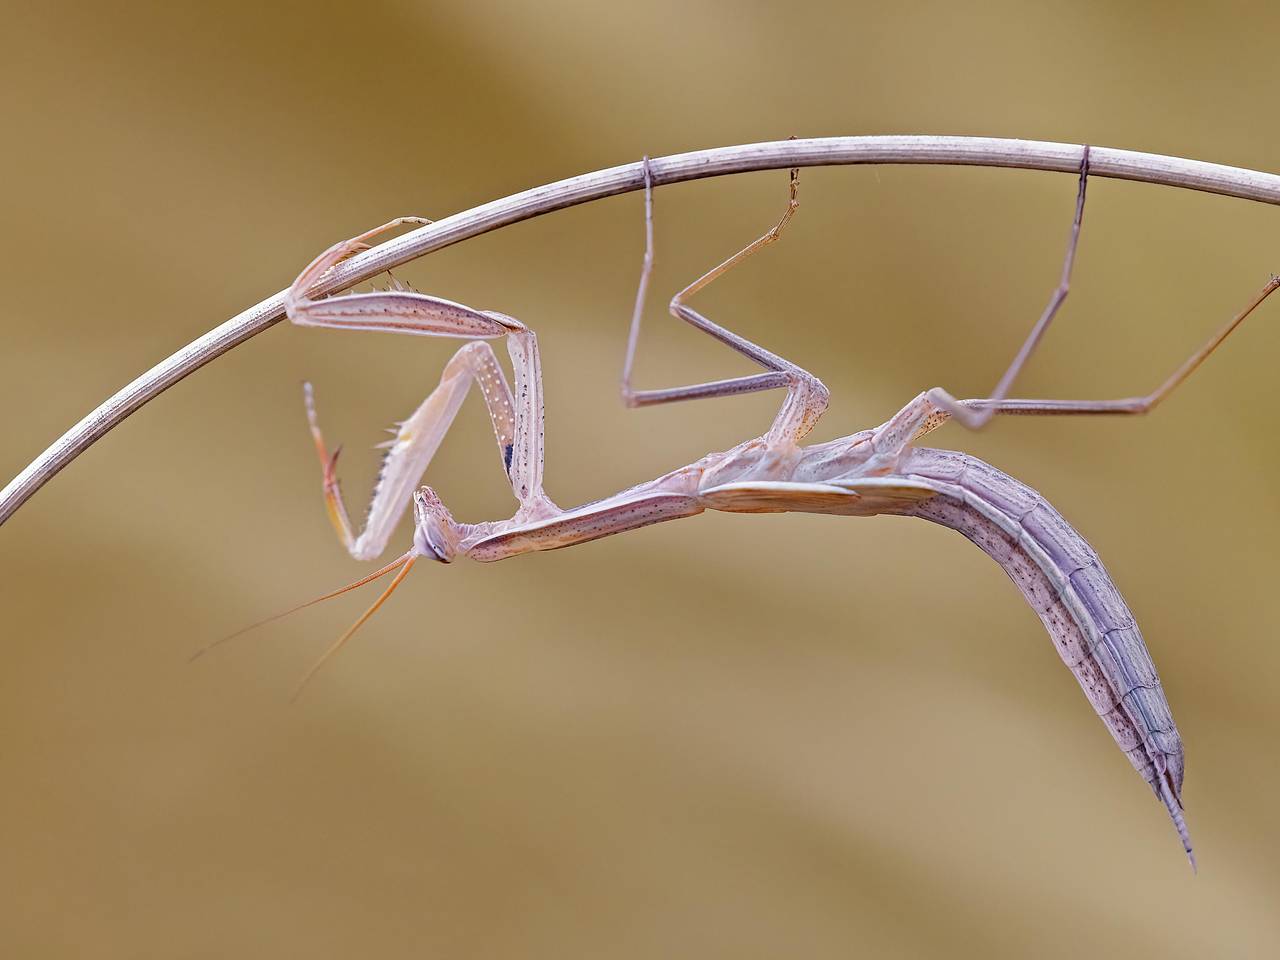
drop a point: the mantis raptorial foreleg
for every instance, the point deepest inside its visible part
(517, 426)
(806, 395)
(416, 442)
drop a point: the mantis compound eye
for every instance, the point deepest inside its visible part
(434, 534)
(428, 543)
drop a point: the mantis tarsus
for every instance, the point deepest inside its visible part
(876, 471)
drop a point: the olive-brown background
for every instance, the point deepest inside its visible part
(733, 736)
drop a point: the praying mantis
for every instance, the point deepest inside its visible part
(875, 471)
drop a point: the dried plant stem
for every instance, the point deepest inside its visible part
(823, 151)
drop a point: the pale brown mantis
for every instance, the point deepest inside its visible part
(876, 471)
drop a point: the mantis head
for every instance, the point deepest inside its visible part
(436, 532)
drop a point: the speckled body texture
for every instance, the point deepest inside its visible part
(1066, 584)
(1056, 570)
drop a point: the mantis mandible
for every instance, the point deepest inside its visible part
(875, 471)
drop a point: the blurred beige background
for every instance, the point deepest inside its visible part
(728, 737)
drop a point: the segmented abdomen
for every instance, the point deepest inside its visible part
(1066, 584)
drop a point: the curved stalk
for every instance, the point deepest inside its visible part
(719, 161)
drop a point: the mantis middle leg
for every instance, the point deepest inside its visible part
(806, 395)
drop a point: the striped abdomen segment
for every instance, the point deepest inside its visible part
(1066, 584)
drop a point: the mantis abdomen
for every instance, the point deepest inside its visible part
(1066, 584)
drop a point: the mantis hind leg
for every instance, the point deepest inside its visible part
(942, 406)
(931, 409)
(976, 417)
